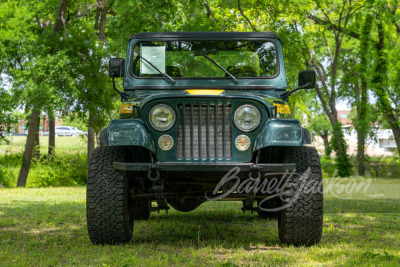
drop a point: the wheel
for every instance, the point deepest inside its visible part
(300, 221)
(109, 216)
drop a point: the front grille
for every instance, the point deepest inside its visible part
(204, 131)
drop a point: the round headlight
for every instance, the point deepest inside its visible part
(247, 117)
(162, 117)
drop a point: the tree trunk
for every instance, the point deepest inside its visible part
(91, 134)
(52, 134)
(101, 12)
(328, 149)
(361, 151)
(60, 18)
(90, 142)
(103, 17)
(30, 142)
(394, 125)
(36, 148)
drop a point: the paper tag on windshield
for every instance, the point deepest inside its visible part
(154, 54)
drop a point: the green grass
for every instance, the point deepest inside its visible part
(47, 226)
(63, 145)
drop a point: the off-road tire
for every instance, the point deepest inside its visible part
(300, 222)
(141, 210)
(109, 218)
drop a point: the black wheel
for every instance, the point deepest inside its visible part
(109, 217)
(300, 221)
(269, 204)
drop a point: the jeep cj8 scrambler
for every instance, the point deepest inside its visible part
(202, 113)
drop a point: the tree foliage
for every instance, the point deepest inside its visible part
(53, 54)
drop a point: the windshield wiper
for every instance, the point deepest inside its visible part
(157, 69)
(222, 68)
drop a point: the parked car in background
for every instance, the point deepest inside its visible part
(66, 131)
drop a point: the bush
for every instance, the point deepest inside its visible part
(383, 167)
(9, 167)
(328, 166)
(4, 178)
(63, 169)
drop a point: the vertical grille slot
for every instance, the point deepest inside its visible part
(204, 131)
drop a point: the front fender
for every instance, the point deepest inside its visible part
(129, 132)
(279, 132)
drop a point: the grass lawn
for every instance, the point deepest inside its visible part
(65, 144)
(47, 226)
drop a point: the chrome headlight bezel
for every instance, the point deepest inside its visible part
(256, 113)
(152, 115)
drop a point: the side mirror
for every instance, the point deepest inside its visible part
(116, 67)
(307, 76)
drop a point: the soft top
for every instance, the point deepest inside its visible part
(144, 35)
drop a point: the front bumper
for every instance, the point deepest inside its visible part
(189, 169)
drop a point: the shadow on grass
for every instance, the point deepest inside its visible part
(41, 223)
(213, 224)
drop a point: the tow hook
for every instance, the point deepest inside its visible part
(154, 168)
(255, 169)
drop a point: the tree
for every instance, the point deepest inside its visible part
(385, 83)
(383, 63)
(320, 125)
(35, 53)
(7, 117)
(330, 45)
(39, 100)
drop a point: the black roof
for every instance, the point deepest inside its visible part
(145, 35)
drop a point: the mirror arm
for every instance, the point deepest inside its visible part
(123, 95)
(288, 93)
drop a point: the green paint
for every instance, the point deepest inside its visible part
(260, 92)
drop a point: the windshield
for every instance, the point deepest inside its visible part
(191, 59)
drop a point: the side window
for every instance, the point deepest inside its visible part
(267, 56)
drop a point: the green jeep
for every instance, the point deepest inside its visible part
(203, 116)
